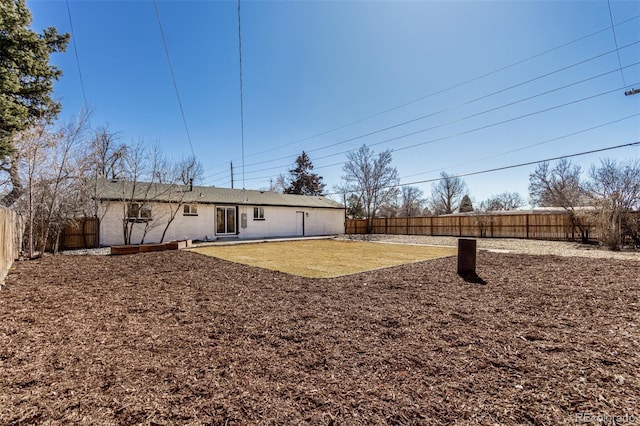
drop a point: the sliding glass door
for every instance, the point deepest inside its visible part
(225, 220)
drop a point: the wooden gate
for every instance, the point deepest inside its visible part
(80, 234)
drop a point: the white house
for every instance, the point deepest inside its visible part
(147, 211)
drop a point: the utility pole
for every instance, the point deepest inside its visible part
(232, 175)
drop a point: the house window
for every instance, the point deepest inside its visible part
(258, 213)
(139, 212)
(190, 210)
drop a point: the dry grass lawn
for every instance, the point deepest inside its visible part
(325, 258)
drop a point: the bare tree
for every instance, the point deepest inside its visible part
(103, 157)
(407, 202)
(68, 165)
(447, 193)
(615, 190)
(51, 164)
(144, 167)
(412, 201)
(106, 154)
(389, 209)
(154, 190)
(31, 148)
(560, 186)
(505, 201)
(152, 187)
(482, 218)
(185, 172)
(278, 185)
(372, 178)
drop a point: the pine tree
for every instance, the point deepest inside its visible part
(466, 205)
(354, 207)
(302, 181)
(26, 81)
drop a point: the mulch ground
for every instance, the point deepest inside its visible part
(181, 338)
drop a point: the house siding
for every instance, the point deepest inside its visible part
(278, 222)
(281, 222)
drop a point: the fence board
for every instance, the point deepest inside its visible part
(11, 228)
(544, 226)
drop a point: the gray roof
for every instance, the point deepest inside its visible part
(119, 190)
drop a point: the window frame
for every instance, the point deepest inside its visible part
(139, 212)
(258, 213)
(226, 220)
(190, 210)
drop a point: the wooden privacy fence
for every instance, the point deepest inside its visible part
(543, 226)
(11, 228)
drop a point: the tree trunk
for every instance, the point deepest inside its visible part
(369, 225)
(17, 189)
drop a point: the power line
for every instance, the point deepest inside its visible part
(75, 50)
(241, 93)
(529, 163)
(512, 166)
(351, 139)
(472, 80)
(468, 131)
(173, 77)
(476, 129)
(522, 148)
(212, 175)
(512, 119)
(554, 139)
(615, 39)
(455, 86)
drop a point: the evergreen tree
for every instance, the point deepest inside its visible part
(466, 205)
(354, 207)
(302, 181)
(26, 77)
(26, 81)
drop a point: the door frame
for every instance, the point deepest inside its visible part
(226, 209)
(302, 214)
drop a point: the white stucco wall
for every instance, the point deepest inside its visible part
(282, 222)
(278, 222)
(183, 227)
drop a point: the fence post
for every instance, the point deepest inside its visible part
(12, 230)
(527, 230)
(491, 225)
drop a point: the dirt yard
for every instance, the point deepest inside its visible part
(181, 338)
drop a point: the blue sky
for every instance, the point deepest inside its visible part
(329, 76)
